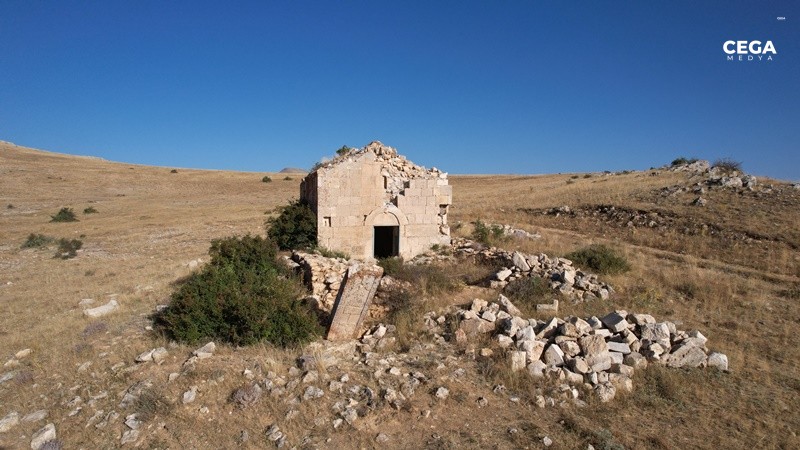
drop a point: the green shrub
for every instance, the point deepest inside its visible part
(681, 161)
(294, 228)
(68, 248)
(391, 266)
(266, 179)
(600, 259)
(90, 210)
(287, 178)
(10, 206)
(64, 215)
(527, 291)
(489, 235)
(243, 296)
(727, 165)
(343, 150)
(173, 171)
(37, 240)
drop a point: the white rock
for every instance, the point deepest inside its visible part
(503, 274)
(47, 433)
(520, 262)
(9, 421)
(35, 416)
(313, 392)
(553, 356)
(442, 393)
(518, 360)
(101, 311)
(536, 369)
(22, 353)
(507, 306)
(504, 341)
(207, 349)
(129, 436)
(615, 322)
(718, 361)
(620, 347)
(190, 395)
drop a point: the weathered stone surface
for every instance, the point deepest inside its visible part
(507, 306)
(35, 416)
(503, 274)
(605, 392)
(519, 261)
(8, 422)
(615, 322)
(476, 326)
(718, 361)
(532, 348)
(553, 356)
(635, 360)
(620, 347)
(578, 365)
(537, 368)
(657, 333)
(687, 356)
(593, 345)
(353, 301)
(101, 311)
(247, 395)
(190, 395)
(518, 360)
(442, 393)
(46, 433)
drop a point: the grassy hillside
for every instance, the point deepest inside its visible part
(730, 269)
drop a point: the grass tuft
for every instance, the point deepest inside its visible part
(37, 241)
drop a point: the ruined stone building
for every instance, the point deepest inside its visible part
(372, 202)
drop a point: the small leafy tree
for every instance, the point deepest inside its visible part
(343, 150)
(295, 227)
(487, 234)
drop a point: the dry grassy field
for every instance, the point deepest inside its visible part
(730, 269)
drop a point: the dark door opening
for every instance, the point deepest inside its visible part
(387, 242)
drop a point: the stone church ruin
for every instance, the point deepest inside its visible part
(374, 203)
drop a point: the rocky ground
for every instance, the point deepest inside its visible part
(82, 369)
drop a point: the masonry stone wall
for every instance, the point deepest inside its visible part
(375, 186)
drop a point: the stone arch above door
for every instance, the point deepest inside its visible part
(388, 215)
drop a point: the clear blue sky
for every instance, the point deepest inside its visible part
(469, 87)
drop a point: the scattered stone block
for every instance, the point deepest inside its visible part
(43, 435)
(351, 306)
(718, 361)
(101, 311)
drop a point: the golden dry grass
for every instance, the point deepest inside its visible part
(151, 223)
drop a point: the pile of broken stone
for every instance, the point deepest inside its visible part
(323, 275)
(563, 277)
(600, 354)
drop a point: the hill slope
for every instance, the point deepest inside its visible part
(730, 269)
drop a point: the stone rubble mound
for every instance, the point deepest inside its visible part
(563, 277)
(600, 354)
(323, 275)
(395, 167)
